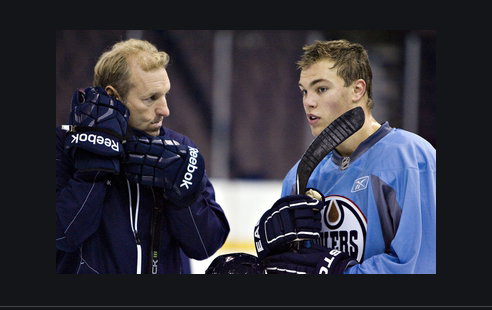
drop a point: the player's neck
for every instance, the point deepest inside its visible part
(350, 145)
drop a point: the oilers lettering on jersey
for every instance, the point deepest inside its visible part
(343, 226)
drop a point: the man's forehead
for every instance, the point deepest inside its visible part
(321, 69)
(137, 72)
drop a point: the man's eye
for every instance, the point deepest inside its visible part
(303, 92)
(150, 99)
(322, 89)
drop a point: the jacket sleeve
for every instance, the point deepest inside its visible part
(202, 228)
(79, 199)
(413, 249)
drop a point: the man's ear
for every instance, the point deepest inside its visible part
(359, 90)
(113, 92)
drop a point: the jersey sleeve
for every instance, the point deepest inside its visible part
(413, 249)
(288, 185)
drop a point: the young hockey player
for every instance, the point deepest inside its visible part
(131, 195)
(377, 212)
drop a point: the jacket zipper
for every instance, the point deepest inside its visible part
(155, 236)
(134, 224)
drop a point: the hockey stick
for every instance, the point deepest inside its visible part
(333, 135)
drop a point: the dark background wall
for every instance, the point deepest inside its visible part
(267, 132)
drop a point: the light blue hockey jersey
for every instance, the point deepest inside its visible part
(380, 202)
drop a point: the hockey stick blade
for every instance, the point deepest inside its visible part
(333, 135)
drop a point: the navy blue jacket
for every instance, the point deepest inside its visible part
(97, 213)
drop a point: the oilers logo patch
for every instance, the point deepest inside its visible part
(343, 226)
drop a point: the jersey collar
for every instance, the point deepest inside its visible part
(363, 146)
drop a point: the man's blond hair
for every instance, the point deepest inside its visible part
(113, 68)
(351, 61)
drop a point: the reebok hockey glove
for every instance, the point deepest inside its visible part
(291, 218)
(97, 124)
(157, 161)
(316, 259)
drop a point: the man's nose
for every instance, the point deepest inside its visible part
(161, 107)
(309, 101)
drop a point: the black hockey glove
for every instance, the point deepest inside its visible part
(97, 125)
(291, 218)
(235, 263)
(316, 259)
(157, 161)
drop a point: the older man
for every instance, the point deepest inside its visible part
(131, 195)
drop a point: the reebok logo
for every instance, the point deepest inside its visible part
(95, 139)
(360, 184)
(186, 182)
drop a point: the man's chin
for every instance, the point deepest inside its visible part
(150, 130)
(154, 133)
(316, 131)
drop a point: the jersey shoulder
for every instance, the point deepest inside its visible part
(401, 148)
(403, 137)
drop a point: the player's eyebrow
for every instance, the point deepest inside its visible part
(314, 82)
(317, 81)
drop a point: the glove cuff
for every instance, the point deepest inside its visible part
(89, 161)
(184, 200)
(334, 262)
